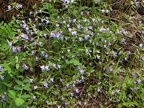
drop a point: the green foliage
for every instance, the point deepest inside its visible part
(68, 57)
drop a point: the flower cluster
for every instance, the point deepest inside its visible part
(45, 68)
(67, 1)
(56, 35)
(14, 6)
(1, 69)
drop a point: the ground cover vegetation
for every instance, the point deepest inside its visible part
(71, 53)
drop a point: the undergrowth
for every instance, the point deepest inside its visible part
(71, 54)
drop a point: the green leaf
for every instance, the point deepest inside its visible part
(12, 94)
(27, 87)
(56, 93)
(1, 23)
(16, 57)
(19, 101)
(8, 69)
(52, 103)
(48, 7)
(25, 96)
(19, 82)
(29, 63)
(20, 76)
(130, 104)
(3, 105)
(8, 29)
(4, 47)
(17, 87)
(124, 85)
(17, 66)
(83, 8)
(26, 80)
(74, 62)
(37, 93)
(7, 84)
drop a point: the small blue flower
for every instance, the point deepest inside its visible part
(138, 81)
(43, 68)
(81, 71)
(40, 43)
(72, 94)
(23, 26)
(25, 66)
(54, 65)
(82, 78)
(77, 90)
(58, 34)
(32, 52)
(47, 22)
(102, 29)
(80, 39)
(98, 57)
(45, 85)
(2, 77)
(74, 33)
(30, 81)
(34, 98)
(18, 49)
(86, 37)
(52, 79)
(59, 66)
(1, 69)
(14, 49)
(45, 56)
(36, 58)
(35, 43)
(67, 86)
(52, 35)
(35, 87)
(3, 98)
(87, 51)
(26, 29)
(19, 6)
(99, 90)
(143, 59)
(9, 44)
(141, 45)
(47, 68)
(42, 53)
(9, 7)
(24, 36)
(73, 85)
(40, 11)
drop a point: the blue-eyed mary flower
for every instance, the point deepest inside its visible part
(45, 85)
(25, 66)
(9, 44)
(1, 69)
(24, 36)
